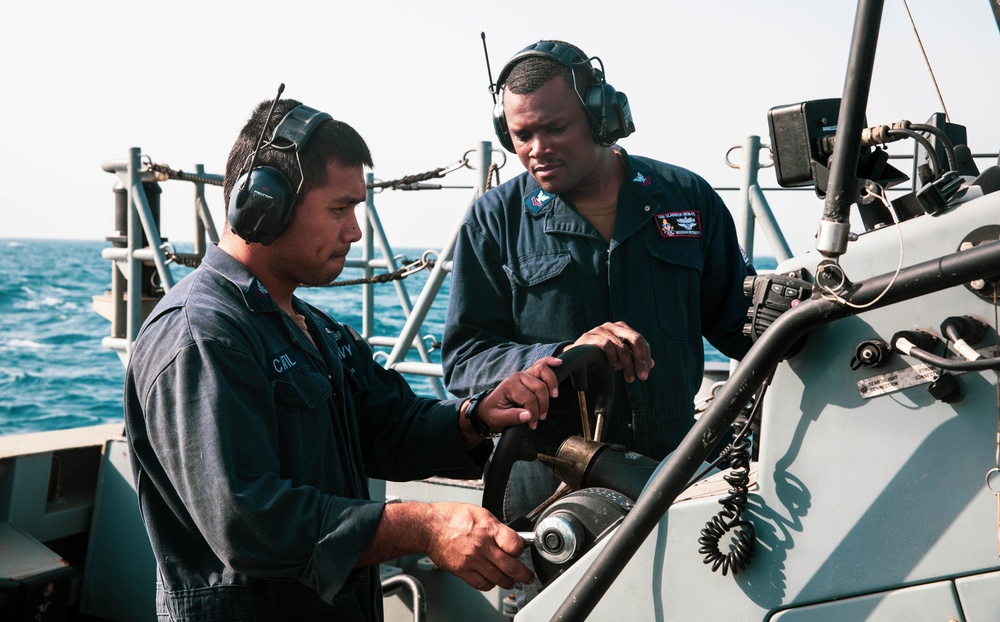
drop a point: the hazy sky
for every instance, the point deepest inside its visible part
(85, 81)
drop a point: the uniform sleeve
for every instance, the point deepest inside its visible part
(479, 348)
(211, 425)
(723, 304)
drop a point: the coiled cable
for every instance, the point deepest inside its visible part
(730, 517)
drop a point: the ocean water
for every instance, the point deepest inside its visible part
(54, 373)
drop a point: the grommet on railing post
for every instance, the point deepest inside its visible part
(760, 147)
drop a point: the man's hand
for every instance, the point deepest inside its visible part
(625, 348)
(469, 542)
(523, 397)
(466, 540)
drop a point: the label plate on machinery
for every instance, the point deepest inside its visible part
(905, 378)
(896, 380)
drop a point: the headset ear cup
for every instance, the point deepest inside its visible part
(624, 113)
(500, 126)
(594, 101)
(237, 198)
(261, 212)
(609, 113)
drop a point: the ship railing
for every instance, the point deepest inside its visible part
(751, 209)
(410, 335)
(137, 243)
(126, 305)
(140, 253)
(139, 246)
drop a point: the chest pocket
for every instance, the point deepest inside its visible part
(301, 391)
(544, 297)
(304, 426)
(676, 278)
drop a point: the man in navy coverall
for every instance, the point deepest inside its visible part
(591, 245)
(254, 419)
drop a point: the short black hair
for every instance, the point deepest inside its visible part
(332, 141)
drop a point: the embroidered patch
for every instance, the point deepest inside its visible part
(679, 224)
(284, 362)
(746, 260)
(538, 200)
(344, 348)
(642, 179)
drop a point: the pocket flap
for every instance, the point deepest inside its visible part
(536, 268)
(303, 389)
(685, 253)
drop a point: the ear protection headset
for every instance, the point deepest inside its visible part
(261, 203)
(607, 109)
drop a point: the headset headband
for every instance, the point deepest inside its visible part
(261, 206)
(607, 109)
(297, 126)
(563, 54)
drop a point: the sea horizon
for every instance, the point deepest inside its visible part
(54, 372)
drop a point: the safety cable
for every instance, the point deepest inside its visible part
(927, 60)
(408, 182)
(424, 263)
(829, 293)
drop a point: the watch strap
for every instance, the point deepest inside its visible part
(472, 414)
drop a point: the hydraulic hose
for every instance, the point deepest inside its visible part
(980, 364)
(953, 364)
(924, 278)
(961, 331)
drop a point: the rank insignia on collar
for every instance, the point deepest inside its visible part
(642, 179)
(258, 289)
(538, 200)
(679, 224)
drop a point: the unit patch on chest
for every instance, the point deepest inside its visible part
(679, 224)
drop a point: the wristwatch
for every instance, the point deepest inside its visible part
(472, 414)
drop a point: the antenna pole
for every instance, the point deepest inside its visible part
(489, 74)
(260, 139)
(842, 191)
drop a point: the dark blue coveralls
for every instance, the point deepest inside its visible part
(251, 448)
(531, 275)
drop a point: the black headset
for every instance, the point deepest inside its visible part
(262, 199)
(607, 109)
